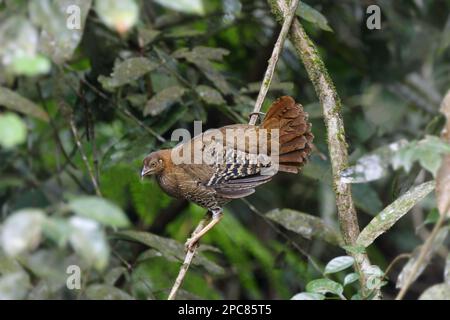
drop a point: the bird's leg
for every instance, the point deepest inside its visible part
(201, 230)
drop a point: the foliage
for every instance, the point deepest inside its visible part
(86, 104)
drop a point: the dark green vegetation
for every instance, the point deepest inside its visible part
(80, 109)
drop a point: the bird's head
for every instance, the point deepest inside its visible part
(153, 164)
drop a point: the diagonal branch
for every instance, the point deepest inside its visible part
(287, 21)
(337, 145)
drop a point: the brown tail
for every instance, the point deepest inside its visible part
(295, 135)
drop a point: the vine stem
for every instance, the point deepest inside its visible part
(337, 145)
(267, 80)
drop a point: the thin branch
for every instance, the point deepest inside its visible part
(187, 260)
(83, 155)
(287, 21)
(337, 145)
(423, 252)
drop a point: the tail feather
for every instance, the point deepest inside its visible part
(295, 137)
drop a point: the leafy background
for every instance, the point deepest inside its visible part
(78, 106)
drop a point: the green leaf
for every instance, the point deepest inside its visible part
(350, 278)
(57, 230)
(22, 231)
(101, 210)
(12, 130)
(118, 15)
(61, 32)
(338, 264)
(428, 152)
(30, 66)
(201, 57)
(163, 100)
(16, 102)
(186, 6)
(308, 296)
(106, 292)
(306, 225)
(437, 292)
(169, 248)
(323, 286)
(89, 241)
(392, 213)
(312, 15)
(14, 286)
(210, 95)
(127, 71)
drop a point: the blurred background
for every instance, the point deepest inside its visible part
(88, 88)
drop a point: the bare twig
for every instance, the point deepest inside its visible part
(423, 252)
(287, 21)
(337, 145)
(187, 260)
(83, 155)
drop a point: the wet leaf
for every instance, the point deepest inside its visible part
(106, 292)
(14, 286)
(101, 210)
(118, 15)
(210, 95)
(22, 231)
(163, 100)
(323, 286)
(312, 15)
(408, 268)
(308, 296)
(306, 225)
(12, 130)
(372, 166)
(127, 71)
(57, 230)
(18, 52)
(147, 35)
(186, 6)
(169, 248)
(392, 213)
(89, 241)
(428, 152)
(339, 264)
(16, 102)
(30, 66)
(202, 57)
(350, 278)
(437, 292)
(61, 29)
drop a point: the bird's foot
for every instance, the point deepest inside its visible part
(191, 244)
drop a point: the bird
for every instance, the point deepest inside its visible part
(220, 165)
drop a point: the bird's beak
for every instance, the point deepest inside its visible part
(145, 171)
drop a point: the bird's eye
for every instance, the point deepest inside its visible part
(153, 164)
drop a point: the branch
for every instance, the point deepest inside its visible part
(288, 17)
(337, 145)
(187, 260)
(83, 155)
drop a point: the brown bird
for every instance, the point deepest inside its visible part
(228, 163)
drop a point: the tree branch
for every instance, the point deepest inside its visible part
(337, 145)
(287, 21)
